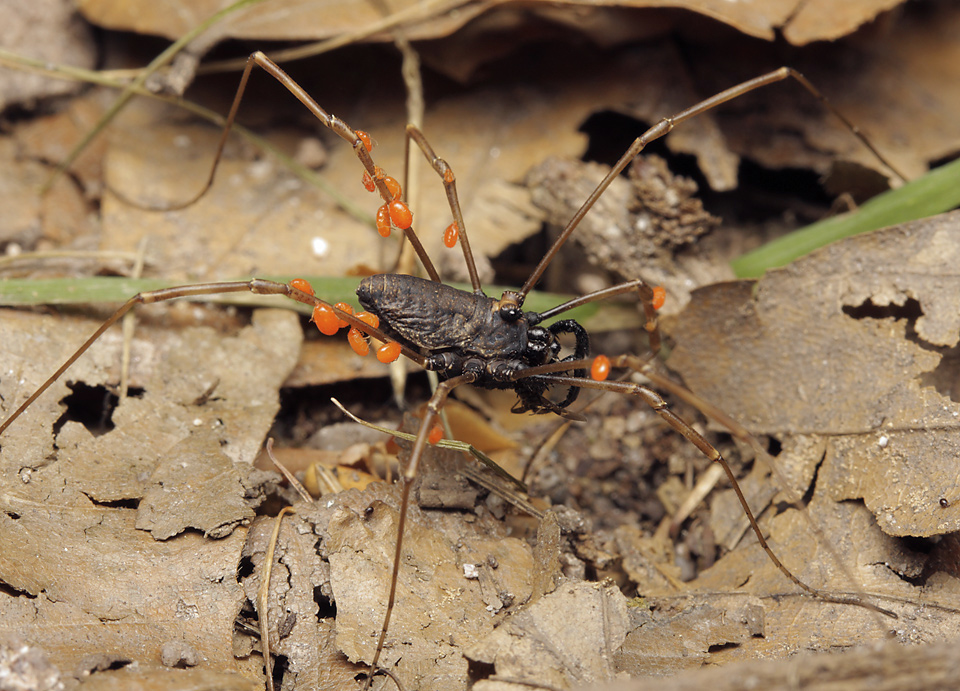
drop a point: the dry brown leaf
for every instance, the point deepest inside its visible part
(458, 578)
(884, 667)
(299, 20)
(283, 20)
(568, 637)
(171, 680)
(852, 342)
(331, 360)
(664, 643)
(878, 564)
(48, 30)
(822, 20)
(170, 504)
(90, 586)
(93, 586)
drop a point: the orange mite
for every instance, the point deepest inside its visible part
(388, 352)
(659, 297)
(302, 285)
(358, 341)
(450, 235)
(326, 320)
(600, 369)
(400, 214)
(365, 138)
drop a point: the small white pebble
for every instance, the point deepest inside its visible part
(883, 441)
(320, 246)
(471, 571)
(261, 170)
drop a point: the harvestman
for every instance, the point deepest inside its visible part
(507, 348)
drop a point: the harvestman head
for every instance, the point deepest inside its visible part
(496, 343)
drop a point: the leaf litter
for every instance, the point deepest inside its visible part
(109, 594)
(855, 343)
(334, 557)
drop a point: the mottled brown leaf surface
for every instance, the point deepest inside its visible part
(458, 579)
(844, 365)
(883, 667)
(540, 642)
(298, 20)
(854, 342)
(49, 30)
(85, 582)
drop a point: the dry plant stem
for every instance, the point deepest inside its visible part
(25, 258)
(70, 73)
(705, 484)
(409, 15)
(541, 453)
(164, 58)
(263, 593)
(291, 478)
(130, 324)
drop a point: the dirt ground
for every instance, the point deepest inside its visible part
(136, 532)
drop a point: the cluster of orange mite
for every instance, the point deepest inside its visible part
(396, 213)
(329, 324)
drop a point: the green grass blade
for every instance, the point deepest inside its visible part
(599, 316)
(934, 193)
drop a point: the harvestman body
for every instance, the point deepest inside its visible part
(468, 337)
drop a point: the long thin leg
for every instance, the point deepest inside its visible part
(445, 172)
(659, 406)
(666, 125)
(331, 122)
(646, 368)
(408, 476)
(257, 286)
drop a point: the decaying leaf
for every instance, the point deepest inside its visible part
(89, 586)
(170, 505)
(853, 343)
(298, 20)
(82, 580)
(458, 579)
(885, 666)
(540, 643)
(50, 30)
